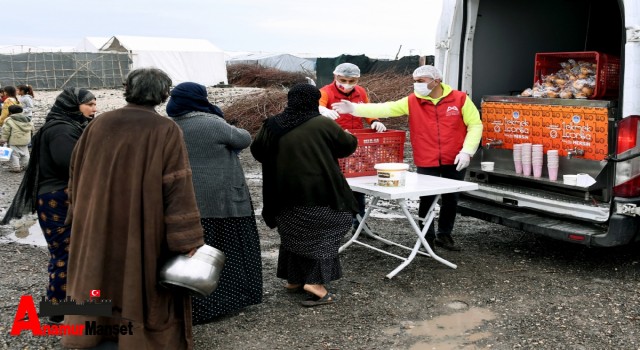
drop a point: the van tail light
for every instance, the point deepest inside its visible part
(628, 139)
(627, 133)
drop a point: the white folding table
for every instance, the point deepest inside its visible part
(416, 185)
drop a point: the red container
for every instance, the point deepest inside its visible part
(607, 69)
(373, 148)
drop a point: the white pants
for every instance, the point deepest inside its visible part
(19, 156)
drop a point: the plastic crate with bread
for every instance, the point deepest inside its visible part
(581, 75)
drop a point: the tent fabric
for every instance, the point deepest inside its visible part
(282, 61)
(91, 43)
(195, 60)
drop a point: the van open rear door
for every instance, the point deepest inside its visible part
(454, 40)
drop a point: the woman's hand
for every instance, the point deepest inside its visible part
(192, 251)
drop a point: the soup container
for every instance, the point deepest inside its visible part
(391, 174)
(199, 274)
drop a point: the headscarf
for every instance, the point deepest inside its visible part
(302, 105)
(65, 110)
(67, 104)
(190, 97)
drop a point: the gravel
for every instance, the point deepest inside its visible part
(511, 290)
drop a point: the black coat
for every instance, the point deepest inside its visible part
(56, 144)
(301, 167)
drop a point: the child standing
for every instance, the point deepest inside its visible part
(10, 96)
(17, 130)
(25, 97)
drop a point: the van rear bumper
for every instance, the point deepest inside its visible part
(620, 230)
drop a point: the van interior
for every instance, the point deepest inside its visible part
(505, 45)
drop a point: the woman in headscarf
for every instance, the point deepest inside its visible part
(223, 199)
(305, 195)
(44, 186)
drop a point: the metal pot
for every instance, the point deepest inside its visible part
(199, 273)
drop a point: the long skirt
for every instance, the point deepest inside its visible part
(309, 242)
(240, 282)
(52, 211)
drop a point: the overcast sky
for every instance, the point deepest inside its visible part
(328, 27)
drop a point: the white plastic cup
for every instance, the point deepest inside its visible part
(518, 165)
(487, 166)
(537, 170)
(517, 152)
(553, 173)
(526, 168)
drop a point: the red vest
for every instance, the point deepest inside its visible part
(437, 131)
(357, 95)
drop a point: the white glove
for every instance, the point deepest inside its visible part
(329, 113)
(462, 159)
(379, 127)
(343, 107)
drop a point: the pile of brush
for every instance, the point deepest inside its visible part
(249, 112)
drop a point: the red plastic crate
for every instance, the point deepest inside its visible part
(607, 69)
(373, 148)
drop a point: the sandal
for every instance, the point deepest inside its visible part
(329, 298)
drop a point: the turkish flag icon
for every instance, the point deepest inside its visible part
(94, 293)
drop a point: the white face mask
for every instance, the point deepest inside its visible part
(422, 89)
(345, 87)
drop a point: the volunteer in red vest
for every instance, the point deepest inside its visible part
(345, 87)
(445, 129)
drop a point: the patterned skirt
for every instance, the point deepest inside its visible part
(240, 282)
(309, 242)
(52, 212)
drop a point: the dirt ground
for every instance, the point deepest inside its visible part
(511, 290)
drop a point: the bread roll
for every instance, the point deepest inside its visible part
(587, 90)
(566, 94)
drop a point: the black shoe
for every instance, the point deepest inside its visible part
(58, 319)
(446, 242)
(431, 240)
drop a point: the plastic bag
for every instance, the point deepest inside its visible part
(5, 153)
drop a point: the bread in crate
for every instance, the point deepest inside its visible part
(586, 74)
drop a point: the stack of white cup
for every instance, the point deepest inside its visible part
(526, 159)
(553, 164)
(537, 160)
(517, 157)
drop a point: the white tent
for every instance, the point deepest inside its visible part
(281, 61)
(195, 60)
(91, 43)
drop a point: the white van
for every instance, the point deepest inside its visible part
(494, 50)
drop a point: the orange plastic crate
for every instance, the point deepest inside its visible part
(607, 69)
(373, 148)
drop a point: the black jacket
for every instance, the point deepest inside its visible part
(301, 167)
(56, 144)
